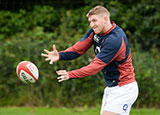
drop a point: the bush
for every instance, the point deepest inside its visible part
(147, 68)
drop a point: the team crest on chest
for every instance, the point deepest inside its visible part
(96, 38)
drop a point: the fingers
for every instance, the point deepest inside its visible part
(62, 78)
(63, 75)
(47, 59)
(54, 48)
(61, 72)
(45, 55)
(47, 51)
(51, 62)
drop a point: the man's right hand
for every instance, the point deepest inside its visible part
(51, 56)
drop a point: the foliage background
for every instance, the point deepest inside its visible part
(27, 28)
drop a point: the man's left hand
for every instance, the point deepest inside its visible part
(63, 75)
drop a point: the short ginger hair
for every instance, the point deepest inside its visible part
(98, 10)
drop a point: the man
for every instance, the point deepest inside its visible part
(113, 57)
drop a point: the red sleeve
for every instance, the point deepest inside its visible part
(81, 46)
(94, 67)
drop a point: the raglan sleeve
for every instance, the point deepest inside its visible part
(78, 48)
(111, 50)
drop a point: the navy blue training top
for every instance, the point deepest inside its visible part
(113, 56)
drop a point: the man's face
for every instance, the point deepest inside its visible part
(97, 23)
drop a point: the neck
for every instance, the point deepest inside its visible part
(106, 28)
(109, 27)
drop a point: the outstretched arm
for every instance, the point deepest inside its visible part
(94, 67)
(78, 48)
(72, 52)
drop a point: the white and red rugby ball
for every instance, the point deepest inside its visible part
(27, 72)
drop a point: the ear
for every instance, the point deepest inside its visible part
(106, 18)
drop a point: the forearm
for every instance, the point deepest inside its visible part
(75, 51)
(68, 55)
(94, 67)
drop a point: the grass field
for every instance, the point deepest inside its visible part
(67, 111)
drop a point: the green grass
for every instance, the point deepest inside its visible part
(66, 111)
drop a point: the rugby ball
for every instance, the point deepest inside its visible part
(27, 72)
